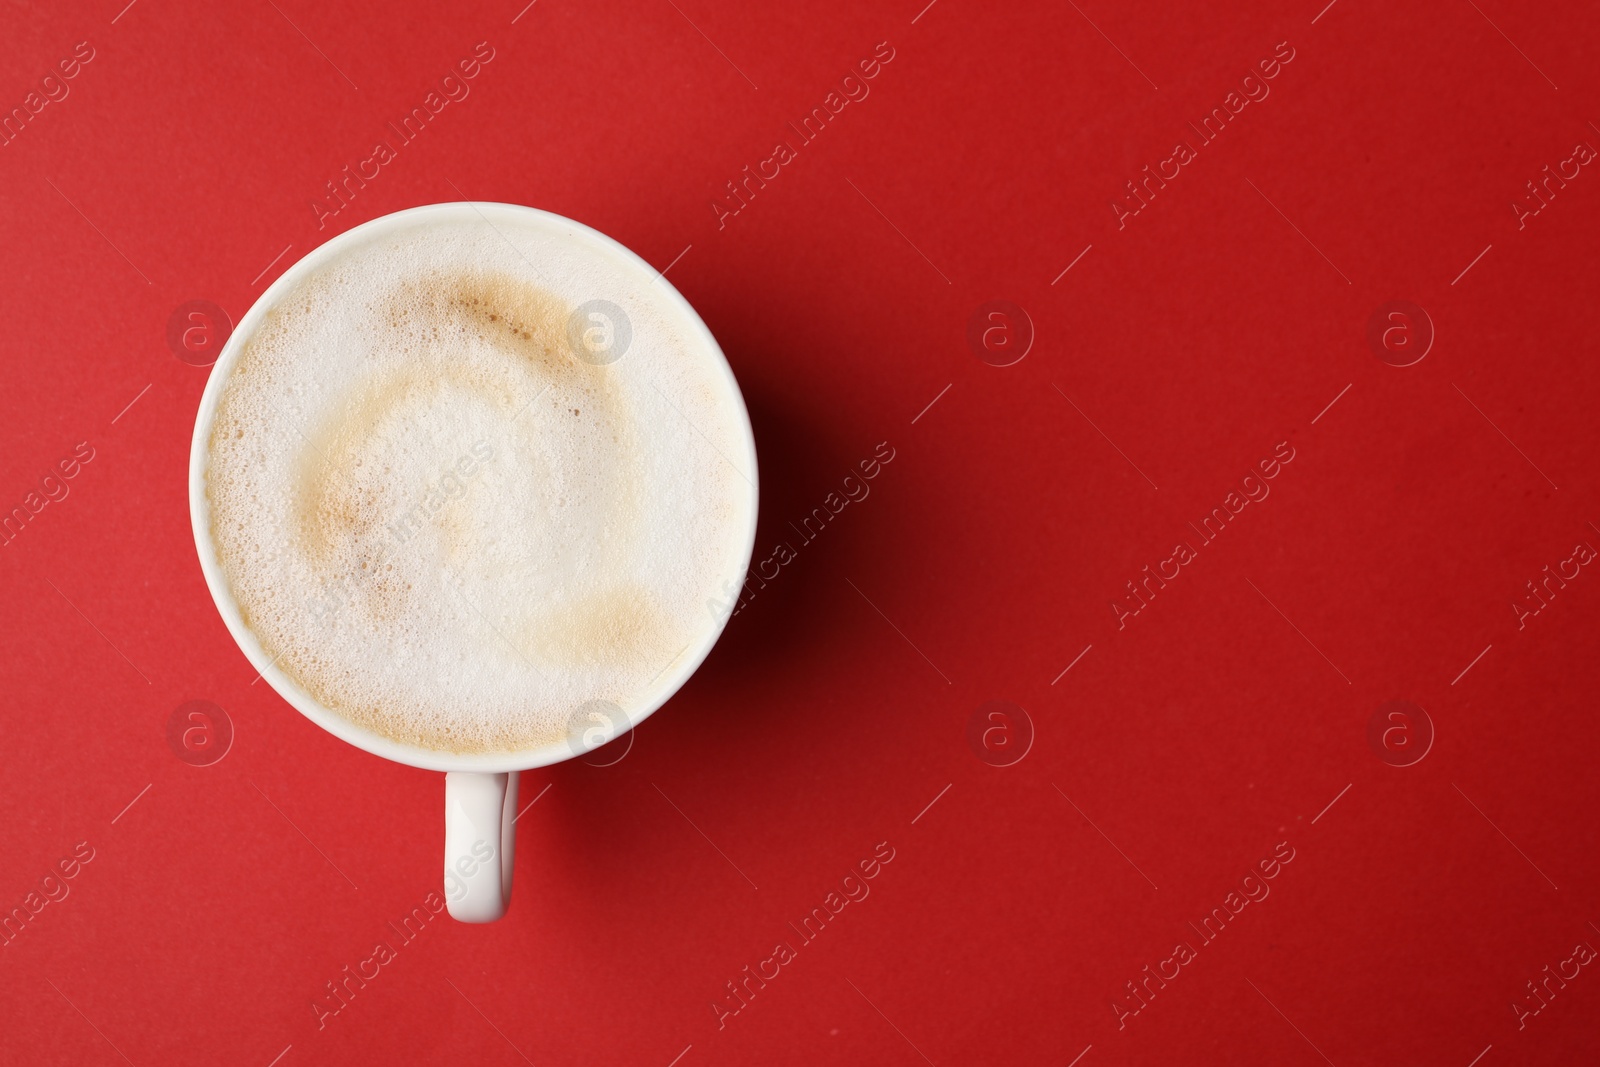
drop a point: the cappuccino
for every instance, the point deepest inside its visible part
(467, 478)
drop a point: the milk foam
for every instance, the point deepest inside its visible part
(447, 527)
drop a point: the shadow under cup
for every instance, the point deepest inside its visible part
(480, 787)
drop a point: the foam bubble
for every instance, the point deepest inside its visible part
(445, 523)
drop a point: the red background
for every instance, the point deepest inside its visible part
(1222, 720)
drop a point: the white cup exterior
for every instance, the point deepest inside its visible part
(494, 763)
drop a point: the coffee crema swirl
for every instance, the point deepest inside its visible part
(446, 521)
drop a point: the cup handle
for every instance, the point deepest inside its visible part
(478, 844)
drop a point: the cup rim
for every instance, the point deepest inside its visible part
(200, 508)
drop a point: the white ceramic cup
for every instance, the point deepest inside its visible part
(480, 790)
